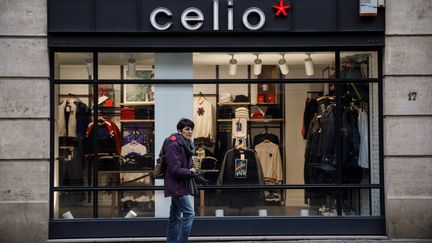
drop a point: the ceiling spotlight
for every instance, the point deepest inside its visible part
(131, 68)
(283, 65)
(257, 65)
(309, 65)
(89, 64)
(232, 66)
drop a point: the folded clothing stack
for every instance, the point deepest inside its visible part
(127, 113)
(274, 112)
(144, 113)
(241, 98)
(242, 112)
(225, 112)
(225, 98)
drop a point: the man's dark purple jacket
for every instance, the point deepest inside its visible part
(178, 166)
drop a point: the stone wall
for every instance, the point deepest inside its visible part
(24, 114)
(408, 124)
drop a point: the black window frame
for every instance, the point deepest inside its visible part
(210, 226)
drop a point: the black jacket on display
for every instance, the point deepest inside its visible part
(241, 166)
(351, 172)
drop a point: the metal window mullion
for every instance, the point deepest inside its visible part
(95, 134)
(338, 136)
(52, 134)
(381, 130)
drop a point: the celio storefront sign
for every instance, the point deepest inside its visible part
(193, 18)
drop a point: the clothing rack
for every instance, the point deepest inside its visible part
(74, 95)
(200, 94)
(310, 94)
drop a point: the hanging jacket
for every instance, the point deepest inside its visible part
(235, 170)
(67, 119)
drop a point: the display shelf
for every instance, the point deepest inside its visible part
(137, 104)
(266, 120)
(253, 120)
(124, 171)
(135, 121)
(265, 104)
(233, 103)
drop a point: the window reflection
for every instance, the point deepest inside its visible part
(251, 132)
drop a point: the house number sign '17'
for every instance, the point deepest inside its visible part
(192, 18)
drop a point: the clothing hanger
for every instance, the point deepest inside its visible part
(201, 97)
(325, 97)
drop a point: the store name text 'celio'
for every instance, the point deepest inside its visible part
(192, 18)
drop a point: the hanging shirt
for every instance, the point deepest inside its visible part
(203, 118)
(67, 119)
(363, 159)
(239, 128)
(270, 158)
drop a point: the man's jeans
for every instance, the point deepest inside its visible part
(178, 228)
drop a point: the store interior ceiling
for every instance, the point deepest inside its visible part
(208, 58)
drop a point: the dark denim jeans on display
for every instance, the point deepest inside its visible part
(178, 228)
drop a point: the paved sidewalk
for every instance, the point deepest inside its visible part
(347, 239)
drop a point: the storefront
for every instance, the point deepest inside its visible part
(286, 97)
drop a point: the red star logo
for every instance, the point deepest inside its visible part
(281, 8)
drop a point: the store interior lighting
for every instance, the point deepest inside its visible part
(131, 68)
(283, 65)
(89, 64)
(309, 65)
(232, 66)
(257, 66)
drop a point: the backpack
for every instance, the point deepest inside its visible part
(160, 167)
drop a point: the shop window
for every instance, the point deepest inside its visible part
(73, 204)
(270, 129)
(73, 66)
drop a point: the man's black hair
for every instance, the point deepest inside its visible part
(184, 122)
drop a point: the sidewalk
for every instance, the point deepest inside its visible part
(267, 239)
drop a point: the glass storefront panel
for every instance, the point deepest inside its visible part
(268, 65)
(355, 65)
(127, 66)
(73, 204)
(271, 202)
(248, 131)
(73, 66)
(73, 166)
(126, 204)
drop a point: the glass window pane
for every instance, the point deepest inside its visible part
(359, 133)
(114, 66)
(73, 116)
(128, 204)
(360, 202)
(268, 65)
(273, 202)
(124, 133)
(73, 66)
(355, 65)
(73, 204)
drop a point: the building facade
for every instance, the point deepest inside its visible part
(44, 65)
